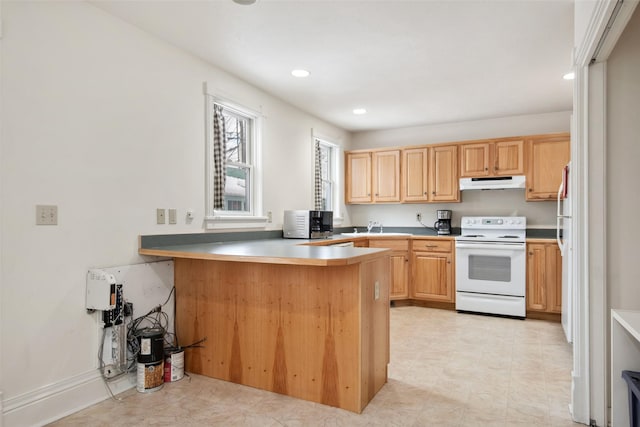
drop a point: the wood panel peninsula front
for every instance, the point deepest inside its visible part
(306, 321)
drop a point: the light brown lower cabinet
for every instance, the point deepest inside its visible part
(399, 286)
(432, 268)
(544, 277)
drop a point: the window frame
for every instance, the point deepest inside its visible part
(253, 218)
(335, 173)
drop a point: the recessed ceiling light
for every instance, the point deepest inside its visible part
(244, 2)
(300, 73)
(359, 111)
(569, 76)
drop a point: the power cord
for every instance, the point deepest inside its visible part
(426, 226)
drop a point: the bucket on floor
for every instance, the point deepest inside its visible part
(173, 364)
(151, 342)
(150, 376)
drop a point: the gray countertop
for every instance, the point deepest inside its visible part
(271, 251)
(270, 247)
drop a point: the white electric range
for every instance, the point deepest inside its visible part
(491, 265)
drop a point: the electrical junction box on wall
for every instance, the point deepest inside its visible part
(101, 290)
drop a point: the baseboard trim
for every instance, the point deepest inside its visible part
(52, 402)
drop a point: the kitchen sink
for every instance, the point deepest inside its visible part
(373, 234)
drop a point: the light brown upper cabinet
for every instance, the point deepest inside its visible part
(444, 184)
(372, 176)
(415, 175)
(492, 158)
(358, 177)
(386, 176)
(429, 174)
(547, 155)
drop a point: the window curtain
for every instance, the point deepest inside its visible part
(219, 150)
(318, 177)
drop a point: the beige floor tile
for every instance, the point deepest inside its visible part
(447, 369)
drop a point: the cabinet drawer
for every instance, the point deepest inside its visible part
(434, 245)
(395, 244)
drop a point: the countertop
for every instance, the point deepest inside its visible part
(268, 251)
(269, 246)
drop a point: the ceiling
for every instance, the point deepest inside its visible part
(407, 62)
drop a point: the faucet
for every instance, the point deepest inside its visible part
(373, 224)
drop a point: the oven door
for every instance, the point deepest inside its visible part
(491, 268)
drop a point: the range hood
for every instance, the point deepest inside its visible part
(492, 183)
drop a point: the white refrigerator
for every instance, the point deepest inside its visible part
(563, 236)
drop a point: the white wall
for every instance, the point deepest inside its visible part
(623, 173)
(106, 122)
(506, 202)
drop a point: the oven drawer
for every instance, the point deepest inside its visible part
(433, 245)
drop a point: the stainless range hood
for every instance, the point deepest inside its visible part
(493, 183)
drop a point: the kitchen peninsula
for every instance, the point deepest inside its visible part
(306, 321)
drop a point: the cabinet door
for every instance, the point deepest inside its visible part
(415, 175)
(386, 176)
(444, 174)
(358, 178)
(544, 277)
(474, 159)
(399, 288)
(508, 157)
(399, 275)
(554, 278)
(432, 277)
(536, 277)
(546, 159)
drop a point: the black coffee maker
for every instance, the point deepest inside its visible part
(443, 224)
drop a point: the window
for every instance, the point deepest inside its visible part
(329, 176)
(237, 189)
(240, 198)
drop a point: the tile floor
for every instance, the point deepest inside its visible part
(447, 369)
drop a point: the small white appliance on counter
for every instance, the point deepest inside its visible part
(305, 224)
(491, 265)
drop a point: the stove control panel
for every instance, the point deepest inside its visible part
(494, 222)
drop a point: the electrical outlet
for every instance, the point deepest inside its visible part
(418, 217)
(173, 216)
(269, 216)
(46, 215)
(160, 216)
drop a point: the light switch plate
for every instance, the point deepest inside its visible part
(173, 216)
(376, 292)
(160, 216)
(46, 215)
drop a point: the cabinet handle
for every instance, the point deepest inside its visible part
(531, 253)
(425, 193)
(434, 193)
(486, 169)
(531, 189)
(448, 262)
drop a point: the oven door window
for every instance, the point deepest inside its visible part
(491, 268)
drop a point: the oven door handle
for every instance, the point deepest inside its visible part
(499, 246)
